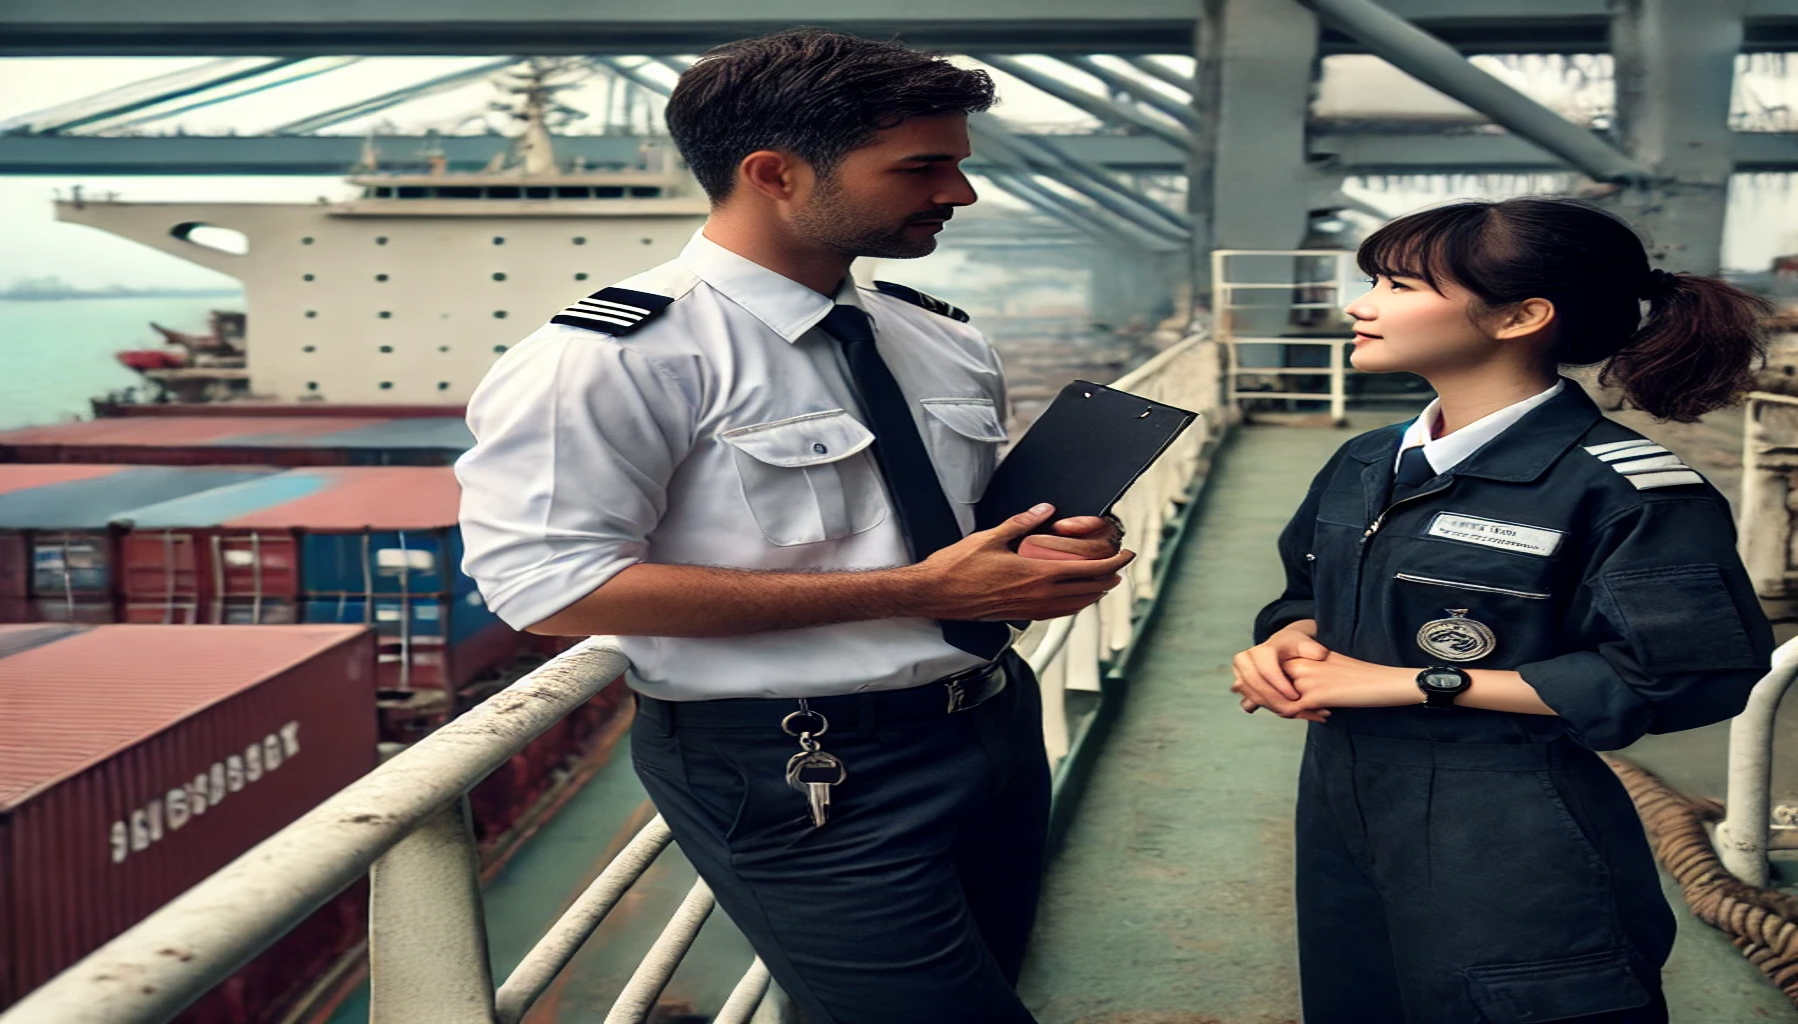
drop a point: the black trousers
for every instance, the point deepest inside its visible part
(913, 904)
(1473, 883)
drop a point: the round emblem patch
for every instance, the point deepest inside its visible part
(1457, 638)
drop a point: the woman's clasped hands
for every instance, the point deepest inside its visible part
(1294, 676)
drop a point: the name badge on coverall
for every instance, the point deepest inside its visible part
(1525, 540)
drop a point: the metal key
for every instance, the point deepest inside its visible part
(813, 772)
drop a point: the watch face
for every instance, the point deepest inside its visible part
(1449, 681)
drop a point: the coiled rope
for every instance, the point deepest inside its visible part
(1763, 923)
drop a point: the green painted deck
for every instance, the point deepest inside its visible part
(1171, 902)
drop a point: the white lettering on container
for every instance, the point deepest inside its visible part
(143, 827)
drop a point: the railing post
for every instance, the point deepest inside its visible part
(1744, 834)
(427, 933)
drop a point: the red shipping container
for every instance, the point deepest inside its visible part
(137, 760)
(15, 555)
(243, 541)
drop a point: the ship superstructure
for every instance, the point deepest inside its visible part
(406, 293)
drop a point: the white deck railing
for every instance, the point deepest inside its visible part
(406, 824)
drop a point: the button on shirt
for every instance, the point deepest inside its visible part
(1445, 453)
(725, 432)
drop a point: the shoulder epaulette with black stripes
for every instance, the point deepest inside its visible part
(918, 298)
(614, 311)
(1646, 465)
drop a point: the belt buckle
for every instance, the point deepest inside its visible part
(957, 694)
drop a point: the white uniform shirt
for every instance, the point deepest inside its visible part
(1445, 453)
(723, 432)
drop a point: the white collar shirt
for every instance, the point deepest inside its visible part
(725, 431)
(1445, 453)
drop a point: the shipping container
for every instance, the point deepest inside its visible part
(341, 410)
(135, 761)
(56, 539)
(15, 637)
(373, 545)
(425, 643)
(289, 440)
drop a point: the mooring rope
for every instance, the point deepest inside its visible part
(1763, 923)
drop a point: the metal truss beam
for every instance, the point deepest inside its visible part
(1346, 151)
(40, 28)
(1156, 69)
(1105, 192)
(375, 104)
(1139, 91)
(1438, 65)
(1098, 106)
(136, 96)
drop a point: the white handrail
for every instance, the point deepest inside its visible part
(1744, 835)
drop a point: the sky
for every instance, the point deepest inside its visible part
(33, 244)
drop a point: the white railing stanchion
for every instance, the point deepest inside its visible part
(645, 987)
(539, 968)
(1744, 834)
(427, 933)
(747, 997)
(776, 1008)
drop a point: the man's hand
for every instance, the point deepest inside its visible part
(979, 577)
(1264, 672)
(1077, 538)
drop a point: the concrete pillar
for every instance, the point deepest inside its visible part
(1251, 187)
(1675, 63)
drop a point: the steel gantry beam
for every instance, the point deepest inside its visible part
(1141, 92)
(1155, 69)
(375, 104)
(478, 27)
(1345, 152)
(1436, 64)
(998, 146)
(1098, 106)
(136, 96)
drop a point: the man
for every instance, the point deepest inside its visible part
(759, 477)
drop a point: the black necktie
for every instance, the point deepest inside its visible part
(925, 516)
(1414, 470)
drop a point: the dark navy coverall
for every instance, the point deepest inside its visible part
(1463, 865)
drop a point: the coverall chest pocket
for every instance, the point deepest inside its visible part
(808, 478)
(964, 436)
(1515, 598)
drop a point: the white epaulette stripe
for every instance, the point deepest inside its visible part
(609, 310)
(587, 314)
(1651, 463)
(1632, 453)
(1600, 449)
(639, 310)
(1649, 481)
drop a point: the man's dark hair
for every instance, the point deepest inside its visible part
(811, 92)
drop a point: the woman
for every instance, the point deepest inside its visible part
(1479, 599)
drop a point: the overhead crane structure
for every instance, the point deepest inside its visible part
(1260, 170)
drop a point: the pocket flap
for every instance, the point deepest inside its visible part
(972, 418)
(1548, 990)
(809, 440)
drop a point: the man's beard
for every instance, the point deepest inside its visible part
(837, 223)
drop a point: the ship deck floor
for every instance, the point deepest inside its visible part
(1171, 900)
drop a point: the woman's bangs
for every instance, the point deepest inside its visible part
(1409, 247)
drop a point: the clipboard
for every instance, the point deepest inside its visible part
(1082, 454)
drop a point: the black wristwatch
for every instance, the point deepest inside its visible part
(1441, 684)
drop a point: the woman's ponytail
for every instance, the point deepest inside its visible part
(1698, 349)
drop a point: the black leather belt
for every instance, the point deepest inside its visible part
(945, 696)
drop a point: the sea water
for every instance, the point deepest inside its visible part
(59, 352)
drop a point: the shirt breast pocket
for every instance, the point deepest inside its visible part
(965, 435)
(808, 478)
